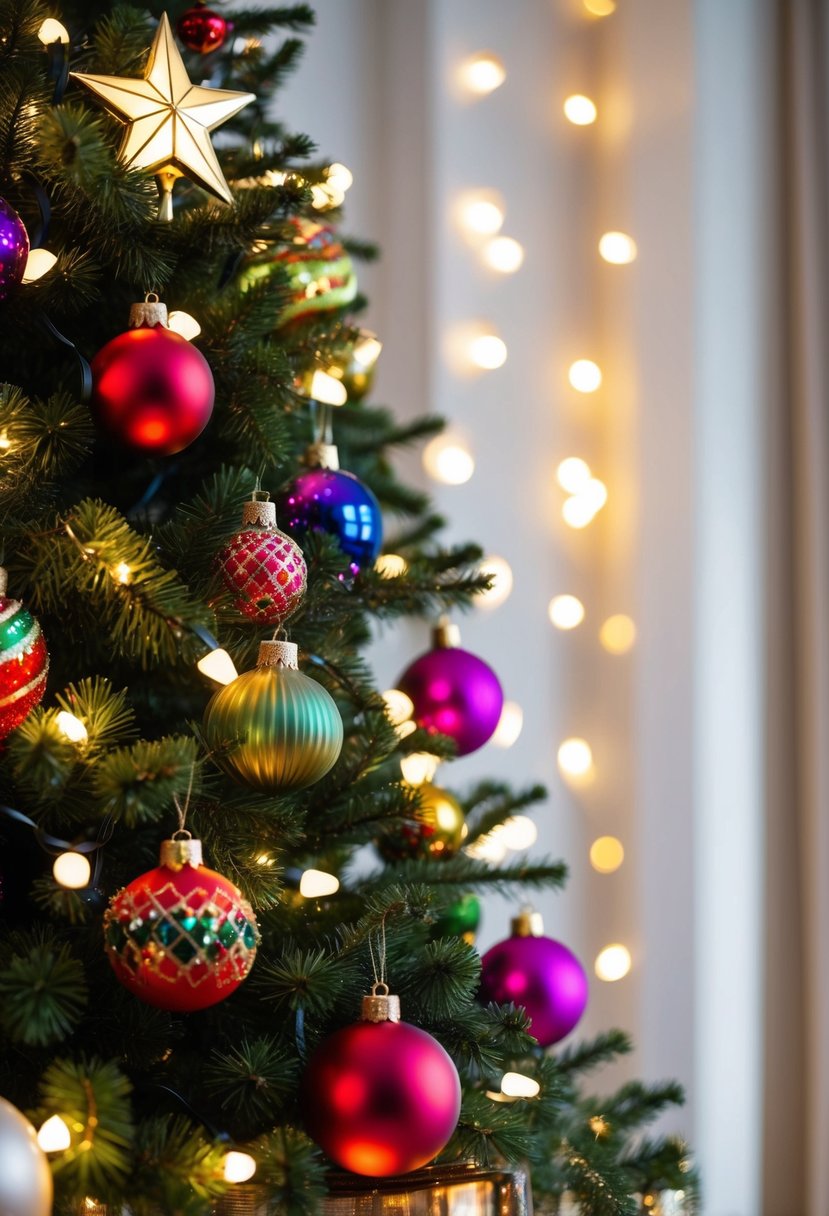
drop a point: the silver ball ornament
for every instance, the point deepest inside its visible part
(25, 1177)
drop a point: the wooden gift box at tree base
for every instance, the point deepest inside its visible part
(438, 1190)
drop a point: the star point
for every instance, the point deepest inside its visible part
(168, 118)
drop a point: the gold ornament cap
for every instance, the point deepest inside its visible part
(148, 312)
(259, 511)
(176, 854)
(323, 456)
(278, 654)
(381, 1005)
(446, 634)
(528, 923)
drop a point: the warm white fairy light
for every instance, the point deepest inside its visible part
(487, 351)
(580, 509)
(481, 212)
(580, 110)
(573, 474)
(265, 860)
(504, 254)
(606, 854)
(122, 574)
(218, 665)
(38, 263)
(327, 389)
(404, 729)
(482, 73)
(315, 883)
(516, 1085)
(238, 1167)
(54, 1136)
(71, 727)
(52, 31)
(613, 963)
(600, 8)
(391, 565)
(184, 324)
(566, 611)
(399, 706)
(5, 442)
(500, 571)
(327, 195)
(575, 757)
(367, 349)
(488, 848)
(517, 833)
(447, 459)
(419, 767)
(72, 870)
(584, 375)
(617, 248)
(618, 634)
(509, 725)
(340, 176)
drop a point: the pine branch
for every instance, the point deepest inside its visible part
(43, 989)
(92, 1098)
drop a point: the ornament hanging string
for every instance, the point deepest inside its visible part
(379, 976)
(181, 811)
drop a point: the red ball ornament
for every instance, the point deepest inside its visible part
(381, 1097)
(152, 389)
(24, 662)
(262, 567)
(180, 937)
(202, 30)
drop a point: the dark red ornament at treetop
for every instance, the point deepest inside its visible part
(381, 1097)
(262, 567)
(202, 30)
(24, 662)
(152, 389)
(180, 937)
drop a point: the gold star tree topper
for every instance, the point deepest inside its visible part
(169, 120)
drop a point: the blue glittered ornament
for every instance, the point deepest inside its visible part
(329, 499)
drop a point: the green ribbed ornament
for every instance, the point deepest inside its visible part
(274, 728)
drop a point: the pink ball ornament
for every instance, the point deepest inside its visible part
(539, 973)
(453, 692)
(262, 567)
(152, 389)
(381, 1097)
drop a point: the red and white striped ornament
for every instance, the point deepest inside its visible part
(24, 661)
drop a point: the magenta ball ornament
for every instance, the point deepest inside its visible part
(14, 249)
(454, 692)
(381, 1097)
(539, 973)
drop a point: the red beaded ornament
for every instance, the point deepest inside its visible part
(24, 661)
(180, 937)
(262, 567)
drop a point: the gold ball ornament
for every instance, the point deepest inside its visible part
(25, 1177)
(439, 829)
(274, 728)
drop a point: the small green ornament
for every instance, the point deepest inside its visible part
(460, 919)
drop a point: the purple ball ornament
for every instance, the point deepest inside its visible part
(454, 692)
(14, 249)
(326, 498)
(539, 973)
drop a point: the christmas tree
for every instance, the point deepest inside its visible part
(179, 1025)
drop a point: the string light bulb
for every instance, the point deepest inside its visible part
(600, 8)
(575, 757)
(367, 349)
(184, 324)
(53, 31)
(487, 351)
(391, 565)
(327, 389)
(618, 634)
(122, 574)
(218, 665)
(238, 1167)
(573, 474)
(500, 572)
(38, 263)
(419, 767)
(617, 248)
(580, 110)
(517, 833)
(399, 706)
(448, 460)
(54, 1136)
(516, 1085)
(509, 725)
(504, 254)
(482, 73)
(566, 611)
(72, 870)
(315, 883)
(481, 212)
(606, 854)
(340, 176)
(71, 727)
(613, 963)
(585, 376)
